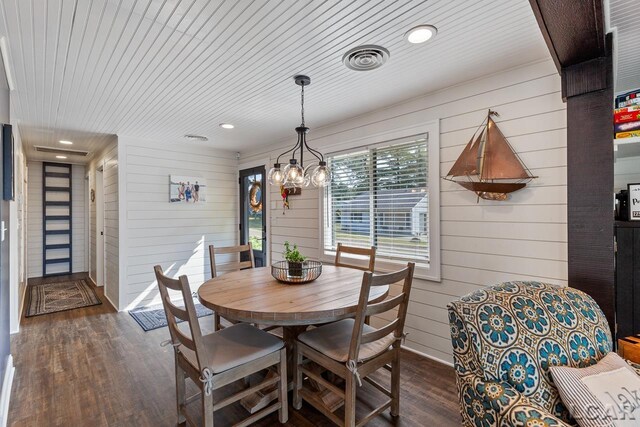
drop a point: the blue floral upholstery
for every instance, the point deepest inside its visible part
(504, 339)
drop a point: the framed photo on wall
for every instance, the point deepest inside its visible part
(7, 163)
(634, 201)
(187, 189)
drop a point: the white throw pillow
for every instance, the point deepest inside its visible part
(606, 394)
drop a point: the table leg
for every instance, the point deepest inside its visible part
(289, 336)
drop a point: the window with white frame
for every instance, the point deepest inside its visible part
(379, 196)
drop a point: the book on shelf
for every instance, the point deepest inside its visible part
(628, 99)
(631, 134)
(626, 127)
(627, 114)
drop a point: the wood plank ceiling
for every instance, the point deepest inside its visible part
(159, 69)
(624, 15)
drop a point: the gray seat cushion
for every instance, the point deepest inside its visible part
(234, 346)
(333, 340)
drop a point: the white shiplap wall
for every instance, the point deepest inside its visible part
(78, 215)
(108, 160)
(34, 219)
(173, 236)
(482, 243)
(17, 237)
(112, 225)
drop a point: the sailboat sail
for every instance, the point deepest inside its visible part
(500, 162)
(468, 162)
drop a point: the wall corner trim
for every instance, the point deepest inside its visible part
(6, 391)
(123, 240)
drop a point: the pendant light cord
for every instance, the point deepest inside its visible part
(302, 104)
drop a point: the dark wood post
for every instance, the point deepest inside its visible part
(588, 88)
(574, 33)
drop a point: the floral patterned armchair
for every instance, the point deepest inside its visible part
(504, 339)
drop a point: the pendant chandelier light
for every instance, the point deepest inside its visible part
(294, 174)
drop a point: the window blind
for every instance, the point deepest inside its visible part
(378, 197)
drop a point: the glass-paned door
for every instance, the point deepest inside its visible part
(253, 225)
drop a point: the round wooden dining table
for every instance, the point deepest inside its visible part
(254, 296)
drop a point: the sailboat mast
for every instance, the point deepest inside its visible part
(484, 147)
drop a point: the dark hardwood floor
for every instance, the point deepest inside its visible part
(96, 367)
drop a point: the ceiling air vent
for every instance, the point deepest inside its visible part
(61, 151)
(365, 58)
(193, 137)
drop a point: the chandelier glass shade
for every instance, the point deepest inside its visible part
(295, 174)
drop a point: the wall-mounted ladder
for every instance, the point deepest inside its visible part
(56, 219)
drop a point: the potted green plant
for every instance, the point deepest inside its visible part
(294, 259)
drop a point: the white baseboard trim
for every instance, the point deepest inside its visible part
(6, 391)
(23, 299)
(94, 280)
(428, 356)
(111, 302)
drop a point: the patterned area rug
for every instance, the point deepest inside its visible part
(153, 317)
(49, 298)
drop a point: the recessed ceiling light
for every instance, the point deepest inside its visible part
(421, 33)
(226, 126)
(62, 141)
(196, 137)
(61, 157)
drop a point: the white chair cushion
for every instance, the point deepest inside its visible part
(333, 341)
(235, 346)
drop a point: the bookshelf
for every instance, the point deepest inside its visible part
(620, 141)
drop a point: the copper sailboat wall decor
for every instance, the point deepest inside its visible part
(488, 166)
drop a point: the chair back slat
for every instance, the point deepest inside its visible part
(192, 340)
(380, 333)
(178, 312)
(343, 249)
(395, 326)
(232, 249)
(231, 265)
(388, 278)
(386, 305)
(169, 282)
(182, 338)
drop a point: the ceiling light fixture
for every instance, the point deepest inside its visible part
(193, 137)
(421, 33)
(295, 175)
(65, 142)
(61, 157)
(226, 126)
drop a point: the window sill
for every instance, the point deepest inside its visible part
(422, 271)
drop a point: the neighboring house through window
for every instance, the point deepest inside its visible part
(380, 196)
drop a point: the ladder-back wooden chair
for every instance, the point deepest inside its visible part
(343, 249)
(353, 350)
(219, 359)
(370, 253)
(235, 264)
